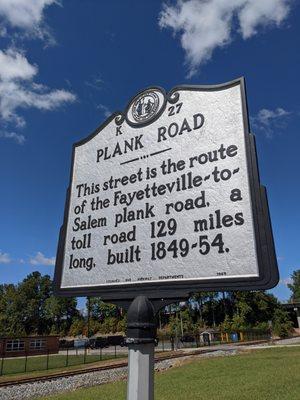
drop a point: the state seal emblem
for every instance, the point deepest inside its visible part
(145, 107)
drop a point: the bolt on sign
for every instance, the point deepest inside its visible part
(165, 199)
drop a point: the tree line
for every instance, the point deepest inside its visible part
(30, 308)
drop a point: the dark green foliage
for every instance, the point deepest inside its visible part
(12, 319)
(100, 310)
(105, 318)
(282, 325)
(236, 311)
(295, 286)
(31, 308)
(60, 312)
(78, 327)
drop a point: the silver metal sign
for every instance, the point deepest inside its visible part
(164, 199)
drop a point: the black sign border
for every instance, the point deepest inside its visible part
(267, 262)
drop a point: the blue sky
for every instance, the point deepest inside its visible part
(66, 65)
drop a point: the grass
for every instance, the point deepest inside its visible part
(269, 374)
(16, 366)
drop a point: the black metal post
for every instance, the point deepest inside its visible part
(84, 357)
(1, 368)
(67, 358)
(25, 366)
(89, 315)
(176, 330)
(141, 338)
(47, 365)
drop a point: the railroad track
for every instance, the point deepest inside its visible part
(64, 374)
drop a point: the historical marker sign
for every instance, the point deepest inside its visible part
(165, 199)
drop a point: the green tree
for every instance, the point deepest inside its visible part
(295, 286)
(174, 326)
(31, 308)
(99, 310)
(12, 318)
(226, 326)
(238, 323)
(34, 291)
(282, 325)
(122, 324)
(206, 304)
(59, 313)
(254, 308)
(105, 317)
(77, 327)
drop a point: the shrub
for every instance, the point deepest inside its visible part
(282, 325)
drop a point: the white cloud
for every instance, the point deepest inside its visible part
(25, 14)
(18, 138)
(3, 31)
(105, 110)
(270, 121)
(40, 259)
(15, 66)
(4, 258)
(256, 13)
(95, 83)
(204, 25)
(266, 116)
(18, 90)
(286, 281)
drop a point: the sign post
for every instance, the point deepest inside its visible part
(165, 200)
(141, 336)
